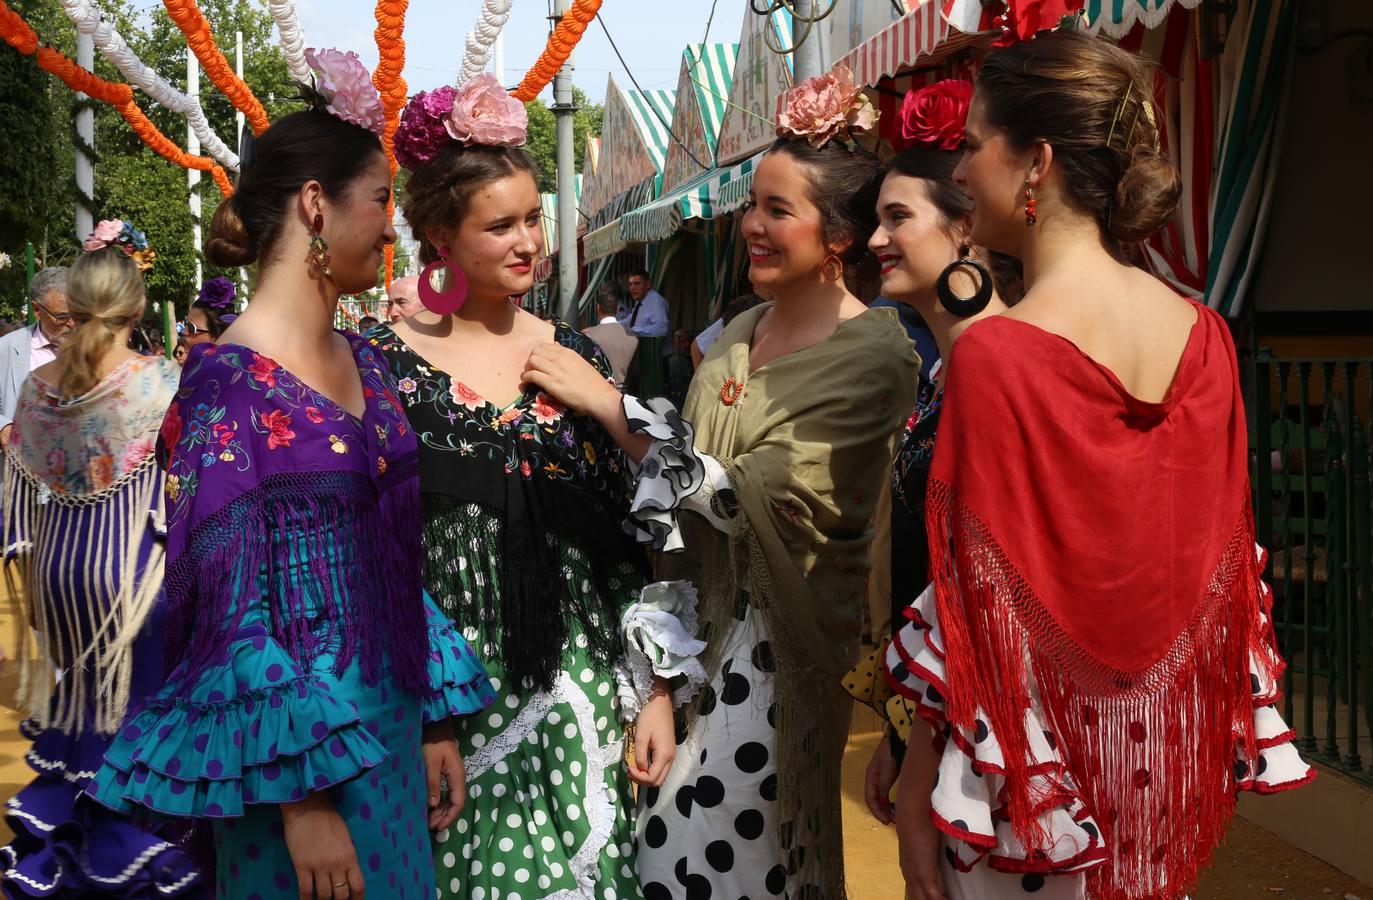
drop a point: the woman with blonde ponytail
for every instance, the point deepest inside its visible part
(81, 528)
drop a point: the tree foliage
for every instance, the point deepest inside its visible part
(543, 139)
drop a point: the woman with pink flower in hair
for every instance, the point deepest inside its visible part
(763, 492)
(306, 720)
(523, 508)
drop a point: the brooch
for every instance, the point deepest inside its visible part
(731, 391)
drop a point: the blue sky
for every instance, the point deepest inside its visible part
(649, 33)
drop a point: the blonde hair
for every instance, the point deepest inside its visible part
(104, 294)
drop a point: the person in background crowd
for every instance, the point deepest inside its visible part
(615, 340)
(211, 313)
(179, 352)
(923, 225)
(80, 479)
(367, 323)
(6, 326)
(1094, 667)
(679, 367)
(25, 349)
(767, 483)
(307, 714)
(523, 504)
(646, 313)
(706, 339)
(403, 298)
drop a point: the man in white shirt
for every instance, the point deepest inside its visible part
(403, 298)
(615, 340)
(25, 349)
(646, 314)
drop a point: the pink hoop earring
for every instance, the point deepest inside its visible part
(446, 300)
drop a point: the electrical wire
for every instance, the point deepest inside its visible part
(798, 35)
(657, 115)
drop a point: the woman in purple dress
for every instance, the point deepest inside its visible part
(82, 514)
(307, 716)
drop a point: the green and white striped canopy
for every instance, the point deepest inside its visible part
(711, 69)
(652, 113)
(710, 194)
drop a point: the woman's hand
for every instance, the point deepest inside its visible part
(443, 760)
(655, 745)
(572, 380)
(915, 829)
(321, 850)
(877, 783)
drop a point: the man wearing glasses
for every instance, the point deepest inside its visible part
(25, 349)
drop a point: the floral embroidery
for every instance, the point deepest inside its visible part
(465, 396)
(913, 459)
(337, 444)
(408, 386)
(381, 465)
(278, 425)
(264, 370)
(173, 487)
(313, 414)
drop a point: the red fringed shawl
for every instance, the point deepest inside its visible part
(1101, 549)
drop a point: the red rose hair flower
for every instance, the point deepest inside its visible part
(934, 116)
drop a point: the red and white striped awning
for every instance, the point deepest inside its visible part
(922, 36)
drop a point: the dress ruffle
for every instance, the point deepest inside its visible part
(64, 846)
(968, 802)
(253, 729)
(660, 639)
(458, 683)
(670, 472)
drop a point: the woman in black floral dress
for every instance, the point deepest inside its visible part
(523, 506)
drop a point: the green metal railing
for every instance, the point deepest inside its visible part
(1310, 437)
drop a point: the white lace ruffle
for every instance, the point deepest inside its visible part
(966, 802)
(660, 639)
(670, 472)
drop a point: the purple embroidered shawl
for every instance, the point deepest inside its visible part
(270, 484)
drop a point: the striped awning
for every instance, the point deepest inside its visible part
(549, 204)
(1114, 17)
(710, 194)
(604, 241)
(922, 36)
(652, 114)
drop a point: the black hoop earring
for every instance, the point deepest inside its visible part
(965, 306)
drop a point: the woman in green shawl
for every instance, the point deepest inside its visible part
(766, 485)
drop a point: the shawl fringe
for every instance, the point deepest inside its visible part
(91, 621)
(288, 538)
(1152, 750)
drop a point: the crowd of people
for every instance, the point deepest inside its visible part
(327, 614)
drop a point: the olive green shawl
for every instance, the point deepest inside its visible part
(807, 446)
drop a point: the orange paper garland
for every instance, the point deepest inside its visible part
(192, 22)
(17, 33)
(390, 35)
(560, 46)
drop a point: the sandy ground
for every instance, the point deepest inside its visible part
(1253, 864)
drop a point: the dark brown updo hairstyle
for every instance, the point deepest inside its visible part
(438, 193)
(1094, 104)
(935, 167)
(843, 185)
(310, 145)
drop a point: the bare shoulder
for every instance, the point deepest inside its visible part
(536, 329)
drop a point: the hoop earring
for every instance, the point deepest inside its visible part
(832, 260)
(965, 306)
(1031, 205)
(449, 298)
(318, 258)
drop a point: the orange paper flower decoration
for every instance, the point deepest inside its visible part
(192, 22)
(391, 86)
(560, 46)
(17, 33)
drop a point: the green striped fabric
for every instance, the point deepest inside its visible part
(711, 69)
(1117, 17)
(652, 113)
(549, 204)
(708, 195)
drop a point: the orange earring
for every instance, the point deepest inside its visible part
(1031, 212)
(318, 258)
(834, 264)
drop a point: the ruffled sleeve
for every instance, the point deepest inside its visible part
(673, 475)
(458, 683)
(252, 728)
(660, 639)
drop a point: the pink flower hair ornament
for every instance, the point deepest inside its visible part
(343, 88)
(478, 112)
(935, 116)
(121, 233)
(824, 108)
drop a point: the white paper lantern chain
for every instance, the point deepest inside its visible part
(292, 38)
(480, 39)
(88, 21)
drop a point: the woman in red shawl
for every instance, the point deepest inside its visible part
(1095, 654)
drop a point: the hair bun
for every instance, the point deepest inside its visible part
(229, 243)
(1146, 195)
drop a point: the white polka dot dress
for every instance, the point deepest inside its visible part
(711, 831)
(982, 858)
